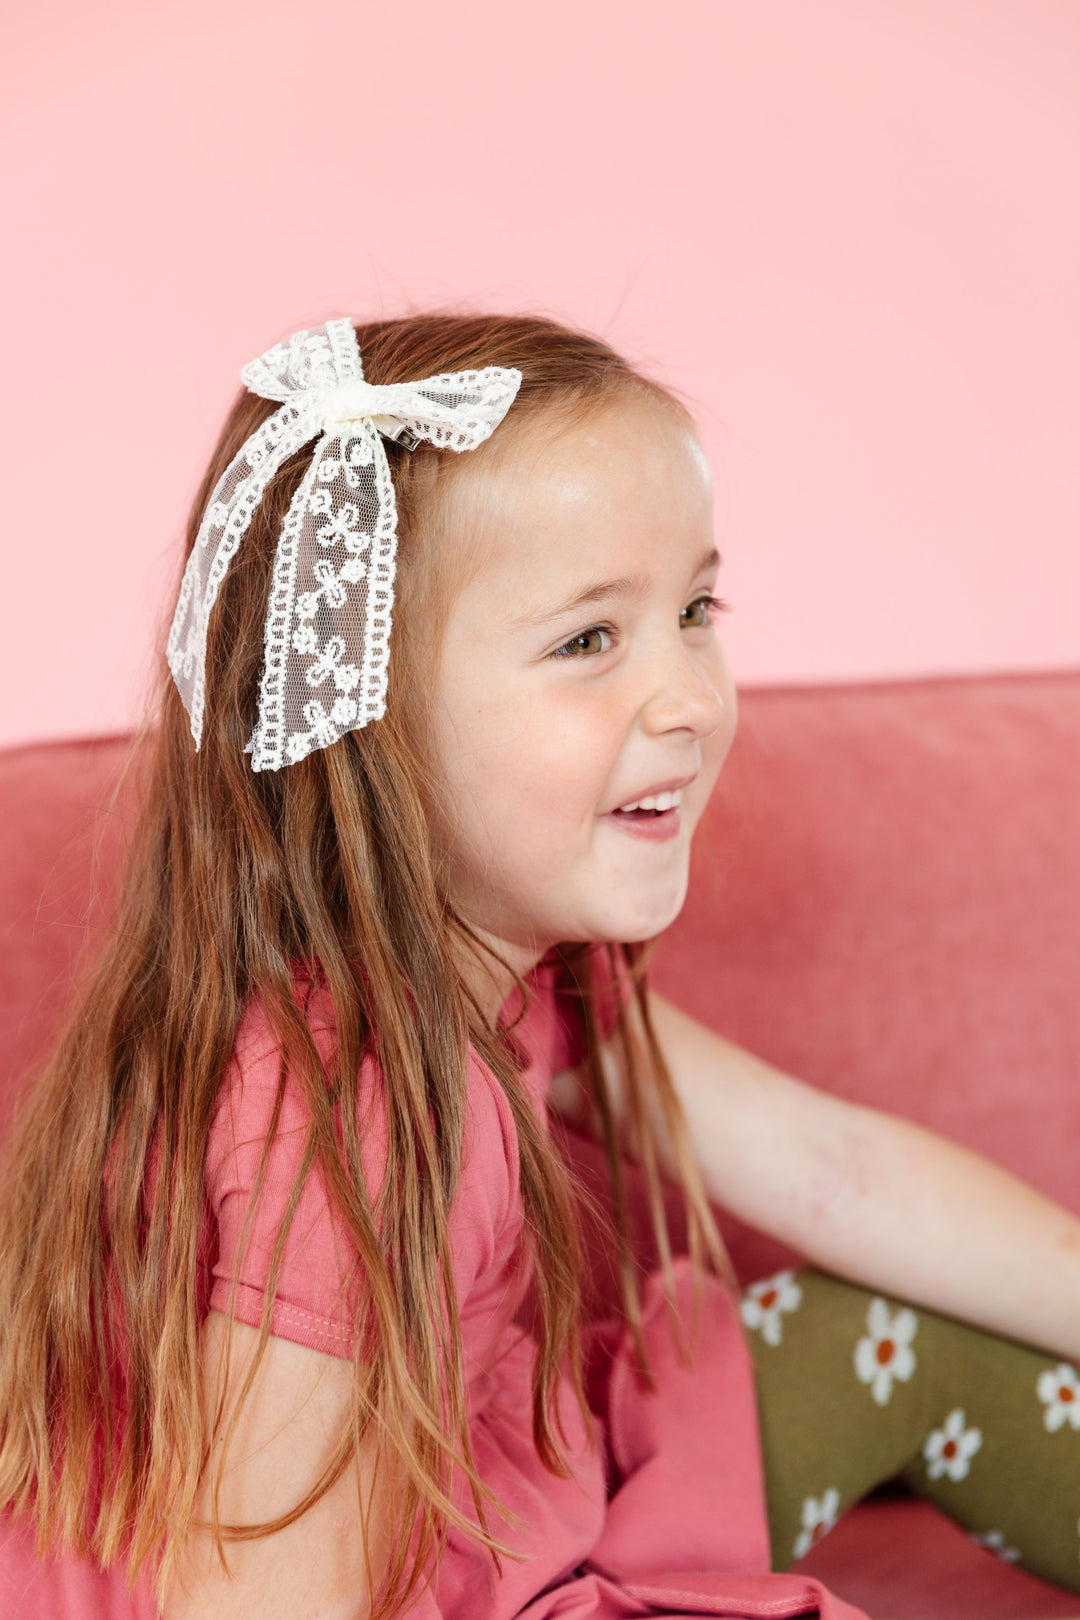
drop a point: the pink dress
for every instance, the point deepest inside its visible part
(666, 1518)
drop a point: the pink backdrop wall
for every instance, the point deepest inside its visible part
(849, 230)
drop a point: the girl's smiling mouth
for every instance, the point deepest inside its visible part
(654, 814)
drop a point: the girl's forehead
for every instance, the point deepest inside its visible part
(587, 494)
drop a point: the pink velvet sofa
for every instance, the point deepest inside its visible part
(885, 900)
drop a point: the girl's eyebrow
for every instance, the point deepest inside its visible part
(625, 585)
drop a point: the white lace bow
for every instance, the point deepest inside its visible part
(327, 639)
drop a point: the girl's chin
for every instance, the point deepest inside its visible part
(603, 907)
(638, 923)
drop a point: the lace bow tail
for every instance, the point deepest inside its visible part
(327, 642)
(224, 525)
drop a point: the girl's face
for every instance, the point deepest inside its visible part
(580, 673)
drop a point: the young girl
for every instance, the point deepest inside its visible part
(291, 1315)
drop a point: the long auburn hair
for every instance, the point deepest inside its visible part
(233, 879)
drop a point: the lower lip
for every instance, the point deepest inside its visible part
(647, 823)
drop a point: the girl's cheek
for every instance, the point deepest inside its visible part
(533, 751)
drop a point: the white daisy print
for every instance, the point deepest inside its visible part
(886, 1353)
(1059, 1392)
(994, 1541)
(949, 1450)
(817, 1518)
(765, 1302)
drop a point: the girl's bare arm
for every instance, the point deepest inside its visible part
(289, 1424)
(873, 1198)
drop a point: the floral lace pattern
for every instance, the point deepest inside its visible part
(327, 635)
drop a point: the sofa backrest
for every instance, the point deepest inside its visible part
(67, 808)
(885, 900)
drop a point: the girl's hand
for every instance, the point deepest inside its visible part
(288, 1427)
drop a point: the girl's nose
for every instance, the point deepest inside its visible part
(686, 698)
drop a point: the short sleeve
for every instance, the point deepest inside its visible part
(316, 1298)
(320, 1276)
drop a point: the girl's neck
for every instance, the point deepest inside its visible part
(486, 977)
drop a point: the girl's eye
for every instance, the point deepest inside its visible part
(703, 611)
(584, 645)
(590, 642)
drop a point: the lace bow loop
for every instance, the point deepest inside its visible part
(306, 363)
(326, 640)
(456, 411)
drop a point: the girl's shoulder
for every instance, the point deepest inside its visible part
(545, 1030)
(256, 1149)
(261, 1095)
(255, 1153)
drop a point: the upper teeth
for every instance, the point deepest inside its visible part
(656, 801)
